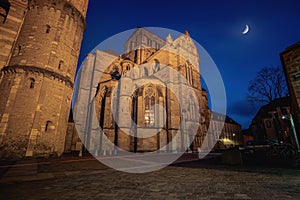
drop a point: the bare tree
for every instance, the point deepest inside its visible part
(268, 85)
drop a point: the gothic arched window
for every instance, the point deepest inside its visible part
(187, 74)
(103, 95)
(149, 100)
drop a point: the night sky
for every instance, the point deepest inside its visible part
(216, 25)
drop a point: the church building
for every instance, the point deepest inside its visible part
(143, 83)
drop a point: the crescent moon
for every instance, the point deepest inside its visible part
(246, 30)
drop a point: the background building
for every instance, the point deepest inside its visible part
(290, 59)
(226, 131)
(40, 42)
(268, 123)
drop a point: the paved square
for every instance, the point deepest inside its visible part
(88, 179)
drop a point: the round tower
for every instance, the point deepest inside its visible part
(37, 84)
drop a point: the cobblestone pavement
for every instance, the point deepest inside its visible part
(193, 180)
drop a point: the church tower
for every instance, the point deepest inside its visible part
(37, 81)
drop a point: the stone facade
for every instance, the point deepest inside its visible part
(42, 40)
(146, 57)
(290, 59)
(224, 132)
(11, 20)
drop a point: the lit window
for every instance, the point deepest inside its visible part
(149, 107)
(149, 117)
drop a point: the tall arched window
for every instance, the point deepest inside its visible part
(4, 9)
(191, 79)
(31, 83)
(156, 67)
(192, 108)
(149, 100)
(48, 28)
(103, 101)
(187, 74)
(146, 73)
(19, 50)
(134, 117)
(60, 64)
(47, 126)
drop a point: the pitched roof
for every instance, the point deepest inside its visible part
(273, 105)
(220, 117)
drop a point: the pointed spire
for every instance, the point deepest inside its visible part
(186, 33)
(169, 39)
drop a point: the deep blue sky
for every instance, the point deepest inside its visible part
(217, 26)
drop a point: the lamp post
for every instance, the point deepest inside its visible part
(233, 137)
(290, 118)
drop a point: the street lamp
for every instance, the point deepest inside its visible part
(290, 118)
(233, 137)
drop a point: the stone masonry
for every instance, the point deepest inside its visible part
(41, 41)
